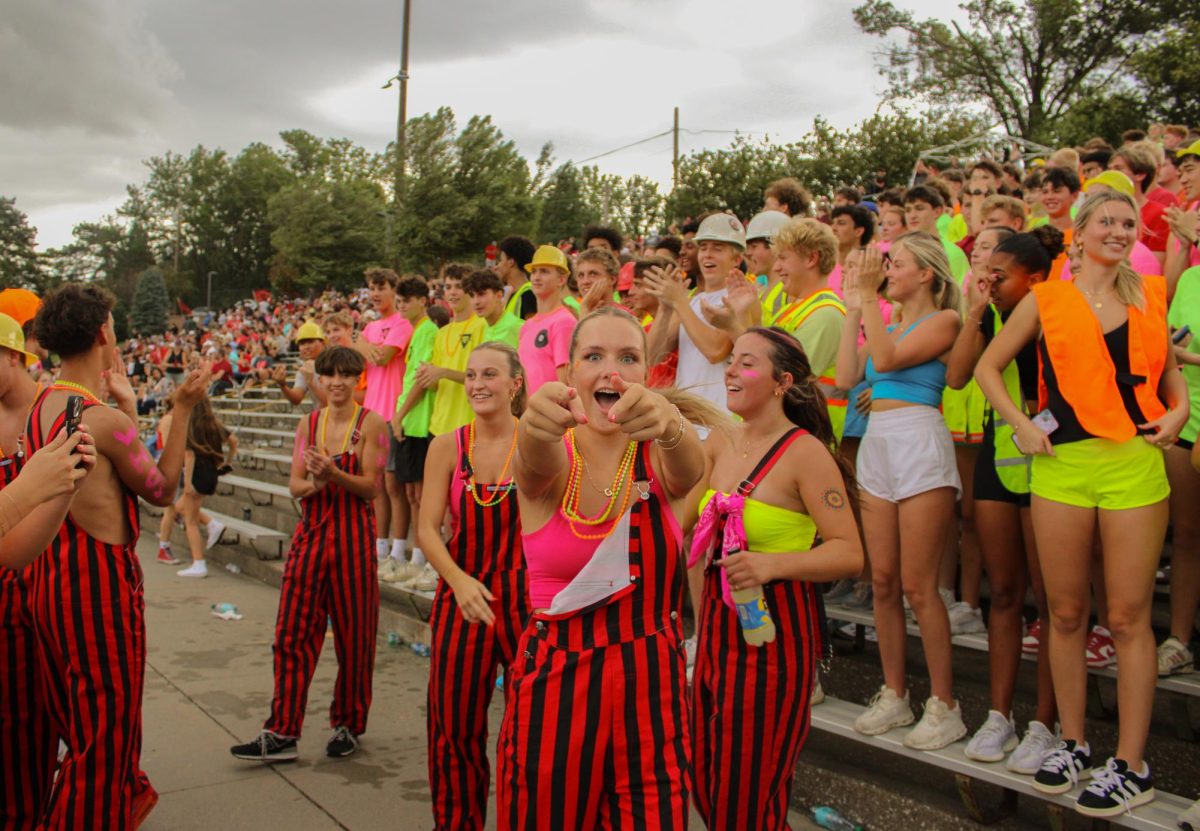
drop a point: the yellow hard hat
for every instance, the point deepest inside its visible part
(309, 331)
(1192, 149)
(1112, 179)
(11, 337)
(549, 255)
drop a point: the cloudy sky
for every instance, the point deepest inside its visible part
(93, 87)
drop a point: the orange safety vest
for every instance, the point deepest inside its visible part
(1086, 375)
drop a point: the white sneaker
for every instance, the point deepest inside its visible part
(818, 694)
(215, 529)
(885, 711)
(965, 620)
(426, 580)
(993, 740)
(196, 569)
(1174, 658)
(939, 726)
(1032, 750)
(387, 570)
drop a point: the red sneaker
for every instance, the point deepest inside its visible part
(1033, 638)
(166, 557)
(1100, 649)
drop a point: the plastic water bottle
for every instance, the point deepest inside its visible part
(827, 817)
(500, 679)
(421, 649)
(233, 568)
(754, 616)
(224, 609)
(394, 639)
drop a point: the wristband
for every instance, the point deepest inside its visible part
(671, 443)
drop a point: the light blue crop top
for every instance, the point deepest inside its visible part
(918, 384)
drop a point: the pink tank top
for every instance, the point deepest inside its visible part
(554, 556)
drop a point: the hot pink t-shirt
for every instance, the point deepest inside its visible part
(545, 346)
(385, 383)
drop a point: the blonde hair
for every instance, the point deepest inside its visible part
(1012, 206)
(1128, 286)
(1067, 157)
(804, 236)
(342, 319)
(929, 253)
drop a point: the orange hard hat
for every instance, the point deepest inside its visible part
(19, 304)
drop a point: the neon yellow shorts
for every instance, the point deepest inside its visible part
(1099, 473)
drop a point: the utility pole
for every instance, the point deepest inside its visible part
(675, 157)
(402, 115)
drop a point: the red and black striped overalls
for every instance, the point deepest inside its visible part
(486, 544)
(331, 573)
(595, 733)
(28, 745)
(89, 612)
(752, 704)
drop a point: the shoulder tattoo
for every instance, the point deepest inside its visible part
(834, 499)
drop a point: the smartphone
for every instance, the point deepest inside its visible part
(72, 414)
(1180, 334)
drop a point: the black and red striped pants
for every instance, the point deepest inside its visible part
(751, 707)
(89, 612)
(464, 659)
(28, 746)
(595, 733)
(326, 578)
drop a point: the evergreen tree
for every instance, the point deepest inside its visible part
(150, 303)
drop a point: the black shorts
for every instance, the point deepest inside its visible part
(988, 486)
(1184, 443)
(204, 476)
(406, 459)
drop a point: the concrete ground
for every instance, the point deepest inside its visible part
(208, 686)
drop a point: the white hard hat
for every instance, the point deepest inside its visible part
(766, 225)
(722, 228)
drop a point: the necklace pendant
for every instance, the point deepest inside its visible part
(608, 493)
(1099, 305)
(470, 487)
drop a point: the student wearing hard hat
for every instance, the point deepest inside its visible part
(720, 241)
(546, 337)
(310, 341)
(760, 233)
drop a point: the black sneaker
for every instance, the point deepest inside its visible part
(1063, 768)
(343, 743)
(1115, 790)
(267, 747)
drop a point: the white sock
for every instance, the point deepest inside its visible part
(381, 547)
(164, 542)
(417, 558)
(398, 547)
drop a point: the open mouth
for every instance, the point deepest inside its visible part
(605, 399)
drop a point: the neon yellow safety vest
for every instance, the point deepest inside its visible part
(1012, 467)
(791, 319)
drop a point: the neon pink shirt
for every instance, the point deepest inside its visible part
(385, 383)
(545, 346)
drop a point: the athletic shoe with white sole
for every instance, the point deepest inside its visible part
(995, 739)
(1116, 789)
(267, 747)
(1063, 768)
(839, 591)
(863, 597)
(818, 694)
(197, 569)
(939, 726)
(885, 711)
(166, 556)
(1033, 638)
(1174, 658)
(1101, 651)
(342, 743)
(965, 620)
(215, 529)
(1033, 749)
(426, 579)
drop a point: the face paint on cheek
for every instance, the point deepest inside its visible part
(751, 375)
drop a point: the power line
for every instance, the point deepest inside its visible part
(623, 147)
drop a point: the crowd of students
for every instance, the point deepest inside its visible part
(990, 372)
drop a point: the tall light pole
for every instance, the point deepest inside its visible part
(208, 297)
(401, 115)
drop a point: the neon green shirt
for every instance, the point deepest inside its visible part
(507, 329)
(1185, 311)
(420, 351)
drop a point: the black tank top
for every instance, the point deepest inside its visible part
(1069, 428)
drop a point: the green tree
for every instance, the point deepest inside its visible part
(730, 179)
(462, 189)
(563, 210)
(19, 266)
(1167, 71)
(643, 207)
(151, 305)
(326, 233)
(1027, 61)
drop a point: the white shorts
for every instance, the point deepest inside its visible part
(906, 452)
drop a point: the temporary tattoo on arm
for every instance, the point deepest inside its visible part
(834, 499)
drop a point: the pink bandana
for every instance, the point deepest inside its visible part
(733, 537)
